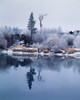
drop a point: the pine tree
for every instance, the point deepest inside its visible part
(31, 25)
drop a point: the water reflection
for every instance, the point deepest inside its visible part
(36, 65)
(30, 77)
(8, 61)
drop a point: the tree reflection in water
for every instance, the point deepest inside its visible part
(30, 77)
(50, 63)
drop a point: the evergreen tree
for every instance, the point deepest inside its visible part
(31, 25)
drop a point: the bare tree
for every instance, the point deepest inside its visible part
(41, 17)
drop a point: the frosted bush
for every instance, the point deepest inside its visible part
(39, 37)
(3, 43)
(77, 42)
(62, 43)
(51, 41)
(37, 45)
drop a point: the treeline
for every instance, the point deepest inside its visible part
(11, 36)
(53, 39)
(49, 38)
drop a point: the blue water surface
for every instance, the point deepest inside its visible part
(39, 78)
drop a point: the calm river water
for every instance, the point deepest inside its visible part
(42, 78)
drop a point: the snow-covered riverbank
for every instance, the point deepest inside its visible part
(75, 55)
(69, 52)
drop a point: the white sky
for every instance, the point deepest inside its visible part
(64, 13)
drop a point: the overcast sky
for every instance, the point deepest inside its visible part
(64, 13)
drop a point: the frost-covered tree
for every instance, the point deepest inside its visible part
(3, 43)
(31, 25)
(77, 42)
(52, 41)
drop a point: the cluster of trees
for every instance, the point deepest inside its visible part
(11, 36)
(49, 38)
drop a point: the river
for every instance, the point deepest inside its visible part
(42, 78)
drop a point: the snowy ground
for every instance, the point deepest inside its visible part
(75, 54)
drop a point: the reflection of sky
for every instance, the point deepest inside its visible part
(64, 13)
(61, 80)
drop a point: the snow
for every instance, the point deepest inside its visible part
(75, 54)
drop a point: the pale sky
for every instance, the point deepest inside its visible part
(64, 13)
